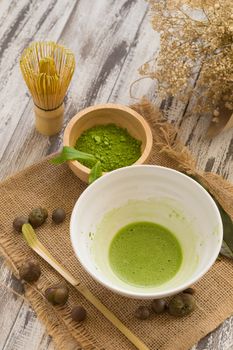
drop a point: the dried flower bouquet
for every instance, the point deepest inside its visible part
(196, 45)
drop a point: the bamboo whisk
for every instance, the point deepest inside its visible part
(47, 69)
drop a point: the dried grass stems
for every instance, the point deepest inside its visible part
(196, 39)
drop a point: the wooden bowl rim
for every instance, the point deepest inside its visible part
(136, 115)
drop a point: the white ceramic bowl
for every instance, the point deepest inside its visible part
(146, 193)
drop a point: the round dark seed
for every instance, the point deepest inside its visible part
(58, 215)
(78, 313)
(142, 313)
(38, 216)
(19, 222)
(158, 306)
(181, 305)
(30, 271)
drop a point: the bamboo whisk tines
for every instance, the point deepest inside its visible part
(47, 69)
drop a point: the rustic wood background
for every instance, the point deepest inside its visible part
(111, 39)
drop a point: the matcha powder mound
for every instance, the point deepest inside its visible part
(113, 146)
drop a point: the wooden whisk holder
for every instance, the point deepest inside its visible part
(49, 122)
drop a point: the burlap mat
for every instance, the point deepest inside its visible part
(51, 186)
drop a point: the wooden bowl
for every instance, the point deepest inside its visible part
(119, 115)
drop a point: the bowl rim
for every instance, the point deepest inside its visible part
(149, 137)
(155, 295)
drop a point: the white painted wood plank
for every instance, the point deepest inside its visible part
(11, 14)
(27, 332)
(101, 53)
(212, 154)
(220, 339)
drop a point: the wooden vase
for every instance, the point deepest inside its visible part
(49, 122)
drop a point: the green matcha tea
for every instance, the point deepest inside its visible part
(113, 146)
(145, 254)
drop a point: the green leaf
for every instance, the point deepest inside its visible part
(70, 153)
(95, 173)
(225, 250)
(227, 228)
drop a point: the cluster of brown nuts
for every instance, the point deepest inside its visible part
(58, 294)
(37, 217)
(180, 305)
(30, 270)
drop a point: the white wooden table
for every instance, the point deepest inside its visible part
(111, 39)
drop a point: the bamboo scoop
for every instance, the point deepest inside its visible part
(32, 240)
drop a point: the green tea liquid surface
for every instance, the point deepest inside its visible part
(145, 254)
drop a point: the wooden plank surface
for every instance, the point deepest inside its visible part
(111, 39)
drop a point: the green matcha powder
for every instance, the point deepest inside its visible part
(113, 146)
